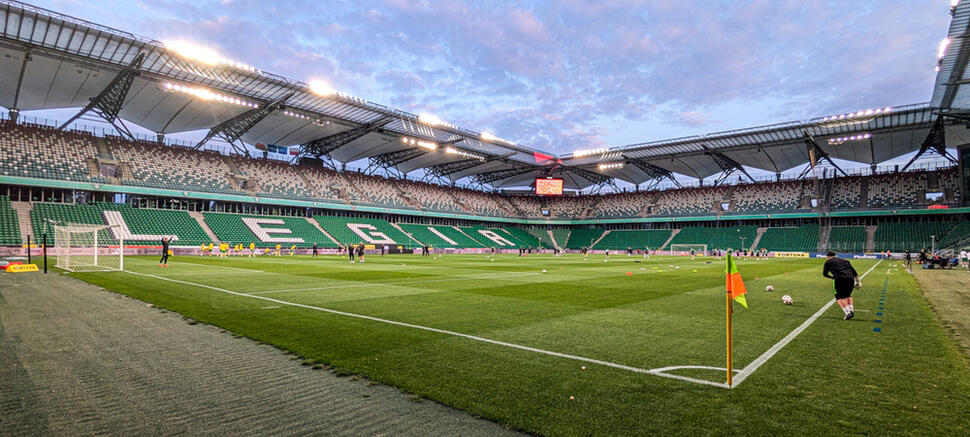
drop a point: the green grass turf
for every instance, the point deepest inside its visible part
(837, 377)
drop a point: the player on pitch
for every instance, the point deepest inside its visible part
(845, 279)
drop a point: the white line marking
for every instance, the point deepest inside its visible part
(658, 372)
(224, 267)
(424, 281)
(754, 365)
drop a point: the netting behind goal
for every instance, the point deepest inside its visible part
(87, 248)
(684, 249)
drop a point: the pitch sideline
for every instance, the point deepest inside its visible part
(661, 371)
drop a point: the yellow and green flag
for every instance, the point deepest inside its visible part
(735, 286)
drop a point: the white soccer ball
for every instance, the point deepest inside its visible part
(677, 268)
(543, 270)
(769, 288)
(787, 300)
(604, 260)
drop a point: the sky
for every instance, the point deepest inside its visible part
(574, 74)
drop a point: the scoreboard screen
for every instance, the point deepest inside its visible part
(548, 187)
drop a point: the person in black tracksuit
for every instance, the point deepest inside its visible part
(314, 250)
(845, 279)
(164, 261)
(350, 252)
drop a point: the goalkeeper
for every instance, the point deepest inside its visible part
(845, 279)
(164, 261)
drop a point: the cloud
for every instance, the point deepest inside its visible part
(566, 75)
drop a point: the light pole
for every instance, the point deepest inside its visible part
(932, 243)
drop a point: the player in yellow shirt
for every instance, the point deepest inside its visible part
(202, 249)
(252, 249)
(223, 248)
(292, 250)
(278, 249)
(208, 250)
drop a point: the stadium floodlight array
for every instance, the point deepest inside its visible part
(420, 143)
(488, 136)
(611, 165)
(453, 151)
(589, 152)
(842, 140)
(859, 114)
(206, 94)
(205, 55)
(432, 120)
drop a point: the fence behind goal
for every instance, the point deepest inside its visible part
(87, 248)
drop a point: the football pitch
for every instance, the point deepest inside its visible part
(508, 338)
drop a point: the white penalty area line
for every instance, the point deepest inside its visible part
(758, 362)
(424, 281)
(658, 372)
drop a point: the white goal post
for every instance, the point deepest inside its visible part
(81, 247)
(684, 249)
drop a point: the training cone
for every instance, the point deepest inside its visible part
(629, 273)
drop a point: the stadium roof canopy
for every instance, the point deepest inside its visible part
(50, 60)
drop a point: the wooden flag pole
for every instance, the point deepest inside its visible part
(730, 365)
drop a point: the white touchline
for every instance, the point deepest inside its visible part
(423, 281)
(754, 365)
(657, 372)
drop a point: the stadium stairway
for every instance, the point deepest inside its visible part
(205, 227)
(323, 231)
(411, 236)
(672, 235)
(757, 237)
(23, 219)
(870, 235)
(555, 243)
(823, 238)
(600, 238)
(313, 189)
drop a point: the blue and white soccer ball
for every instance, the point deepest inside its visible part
(787, 300)
(769, 288)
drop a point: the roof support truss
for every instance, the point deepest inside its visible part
(497, 175)
(324, 146)
(234, 128)
(109, 102)
(656, 174)
(816, 154)
(935, 141)
(728, 166)
(388, 161)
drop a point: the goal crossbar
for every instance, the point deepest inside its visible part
(81, 247)
(677, 249)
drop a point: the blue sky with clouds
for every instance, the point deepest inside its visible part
(573, 74)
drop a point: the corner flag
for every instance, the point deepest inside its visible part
(735, 286)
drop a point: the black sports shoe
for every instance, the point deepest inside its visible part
(850, 315)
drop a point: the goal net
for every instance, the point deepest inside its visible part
(684, 249)
(87, 248)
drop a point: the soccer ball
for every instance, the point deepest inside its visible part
(769, 288)
(543, 270)
(677, 268)
(787, 300)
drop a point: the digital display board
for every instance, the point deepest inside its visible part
(548, 187)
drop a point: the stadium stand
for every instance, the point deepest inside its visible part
(232, 228)
(847, 239)
(426, 236)
(275, 178)
(889, 190)
(582, 237)
(768, 197)
(717, 238)
(173, 167)
(620, 205)
(526, 237)
(328, 183)
(475, 232)
(846, 193)
(375, 190)
(689, 201)
(801, 239)
(44, 152)
(635, 239)
(958, 237)
(542, 236)
(434, 197)
(338, 228)
(483, 203)
(912, 236)
(507, 234)
(140, 221)
(9, 224)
